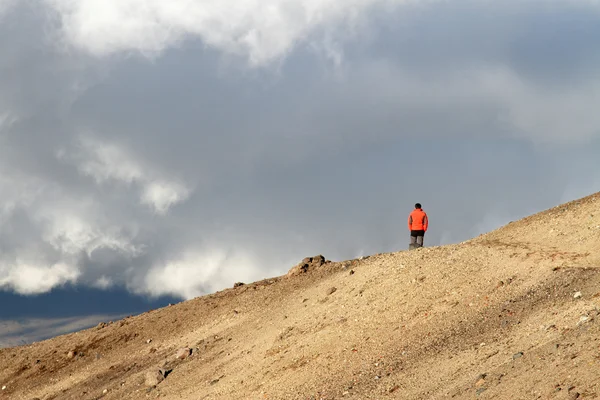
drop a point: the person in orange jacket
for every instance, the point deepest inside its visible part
(417, 225)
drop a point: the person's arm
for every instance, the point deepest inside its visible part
(425, 223)
(410, 222)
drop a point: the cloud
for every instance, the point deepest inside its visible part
(195, 273)
(5, 5)
(546, 115)
(264, 31)
(6, 120)
(45, 234)
(162, 195)
(105, 162)
(25, 278)
(501, 101)
(71, 234)
(182, 172)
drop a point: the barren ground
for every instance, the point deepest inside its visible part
(496, 317)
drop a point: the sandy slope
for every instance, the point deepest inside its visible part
(494, 317)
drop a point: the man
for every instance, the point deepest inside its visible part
(417, 225)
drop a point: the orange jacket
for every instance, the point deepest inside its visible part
(417, 220)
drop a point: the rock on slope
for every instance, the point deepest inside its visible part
(512, 314)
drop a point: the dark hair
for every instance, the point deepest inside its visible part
(418, 205)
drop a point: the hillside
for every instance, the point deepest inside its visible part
(512, 314)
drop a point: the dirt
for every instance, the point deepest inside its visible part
(496, 317)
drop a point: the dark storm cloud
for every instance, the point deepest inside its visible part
(167, 152)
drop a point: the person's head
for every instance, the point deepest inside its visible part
(418, 205)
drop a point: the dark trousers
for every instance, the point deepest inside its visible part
(416, 237)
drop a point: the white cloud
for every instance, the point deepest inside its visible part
(17, 190)
(103, 282)
(162, 195)
(34, 278)
(106, 162)
(44, 232)
(263, 30)
(71, 234)
(196, 273)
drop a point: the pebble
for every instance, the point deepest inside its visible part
(578, 295)
(156, 376)
(3, 387)
(101, 325)
(148, 341)
(183, 353)
(583, 319)
(105, 391)
(331, 290)
(153, 378)
(517, 355)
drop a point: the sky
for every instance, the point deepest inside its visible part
(152, 151)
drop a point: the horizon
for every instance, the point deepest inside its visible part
(36, 324)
